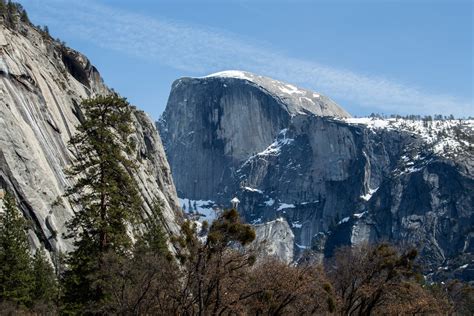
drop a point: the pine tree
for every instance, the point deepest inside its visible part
(11, 13)
(105, 193)
(24, 16)
(154, 238)
(45, 287)
(3, 8)
(15, 260)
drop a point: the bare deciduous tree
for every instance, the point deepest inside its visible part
(379, 279)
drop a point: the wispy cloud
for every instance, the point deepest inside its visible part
(199, 50)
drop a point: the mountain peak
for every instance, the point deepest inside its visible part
(299, 100)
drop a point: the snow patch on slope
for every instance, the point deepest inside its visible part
(344, 220)
(445, 137)
(369, 194)
(269, 202)
(203, 210)
(285, 206)
(275, 148)
(253, 190)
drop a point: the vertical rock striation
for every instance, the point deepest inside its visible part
(42, 83)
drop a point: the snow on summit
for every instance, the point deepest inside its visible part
(300, 101)
(232, 74)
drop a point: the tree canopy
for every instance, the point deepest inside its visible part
(105, 193)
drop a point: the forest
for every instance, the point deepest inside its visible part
(124, 262)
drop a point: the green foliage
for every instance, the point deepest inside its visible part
(212, 265)
(228, 228)
(224, 232)
(105, 193)
(15, 262)
(25, 282)
(78, 279)
(154, 238)
(3, 7)
(11, 14)
(10, 11)
(24, 16)
(188, 242)
(45, 287)
(143, 281)
(204, 229)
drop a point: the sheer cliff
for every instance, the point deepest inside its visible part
(290, 153)
(42, 83)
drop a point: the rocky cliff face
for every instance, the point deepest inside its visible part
(287, 152)
(213, 124)
(42, 83)
(274, 239)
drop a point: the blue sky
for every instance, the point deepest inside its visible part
(386, 56)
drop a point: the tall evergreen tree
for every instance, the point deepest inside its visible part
(153, 238)
(143, 282)
(3, 7)
(105, 194)
(45, 287)
(24, 16)
(15, 260)
(11, 13)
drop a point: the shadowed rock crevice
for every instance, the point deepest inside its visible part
(74, 67)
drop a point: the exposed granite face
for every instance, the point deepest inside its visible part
(205, 138)
(430, 208)
(213, 124)
(274, 239)
(41, 87)
(335, 180)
